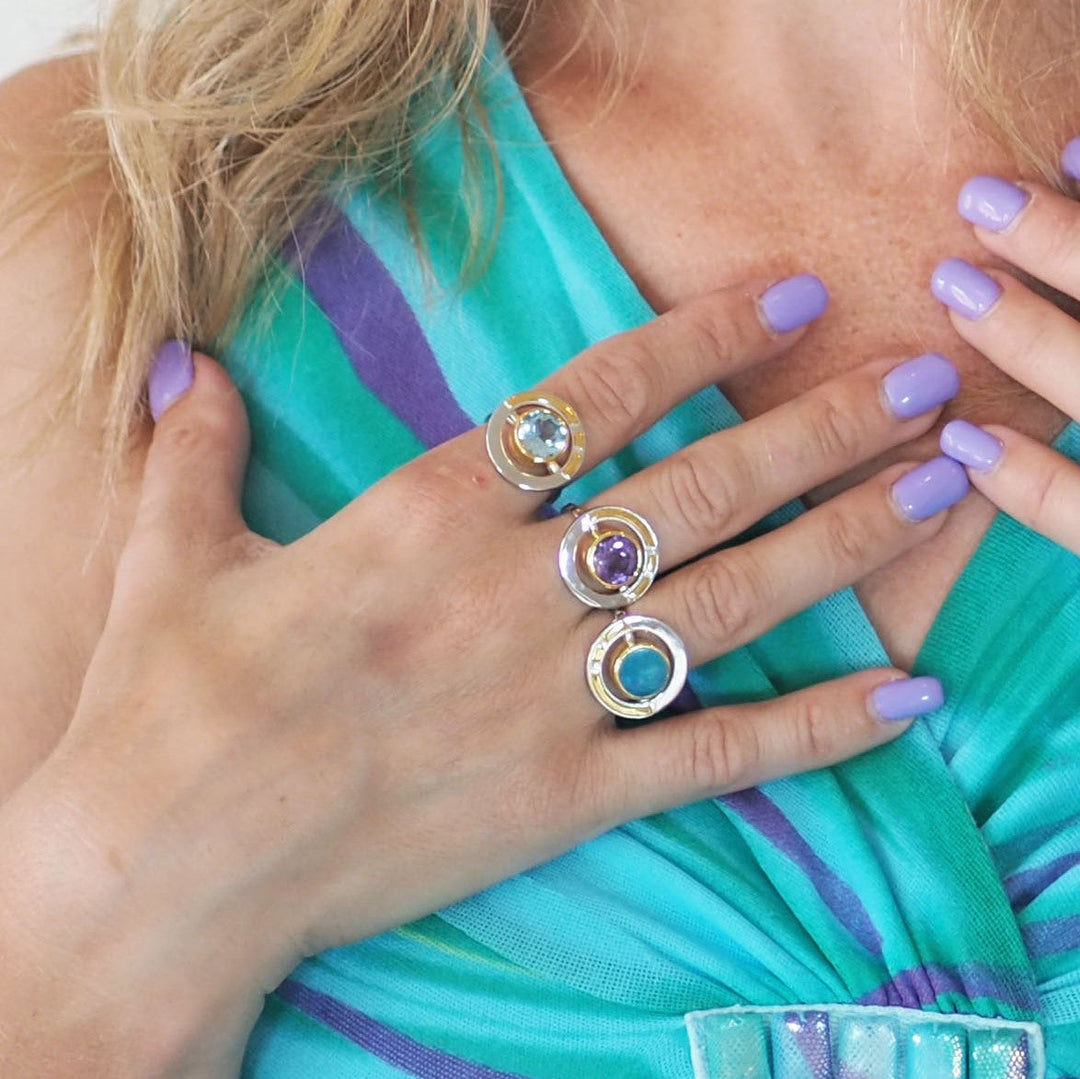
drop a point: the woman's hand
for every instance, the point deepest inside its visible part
(280, 749)
(1029, 338)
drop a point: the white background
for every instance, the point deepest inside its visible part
(30, 30)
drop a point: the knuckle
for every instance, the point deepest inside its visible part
(1037, 338)
(723, 604)
(618, 384)
(713, 337)
(434, 501)
(189, 438)
(702, 498)
(814, 731)
(835, 432)
(722, 755)
(848, 544)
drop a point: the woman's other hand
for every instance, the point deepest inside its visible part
(280, 749)
(1029, 338)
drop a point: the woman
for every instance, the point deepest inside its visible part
(275, 750)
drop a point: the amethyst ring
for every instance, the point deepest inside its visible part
(536, 441)
(609, 556)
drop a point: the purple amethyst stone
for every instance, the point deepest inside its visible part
(615, 561)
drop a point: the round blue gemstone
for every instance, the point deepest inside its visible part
(643, 672)
(542, 435)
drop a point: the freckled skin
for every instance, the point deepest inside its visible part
(692, 195)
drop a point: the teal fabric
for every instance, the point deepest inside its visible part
(938, 873)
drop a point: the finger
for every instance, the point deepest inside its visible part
(719, 750)
(619, 387)
(720, 602)
(1029, 481)
(623, 385)
(1029, 225)
(1025, 335)
(719, 486)
(195, 465)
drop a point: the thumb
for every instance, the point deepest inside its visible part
(195, 465)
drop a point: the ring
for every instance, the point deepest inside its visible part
(609, 556)
(637, 666)
(536, 441)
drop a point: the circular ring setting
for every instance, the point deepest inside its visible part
(637, 666)
(536, 441)
(609, 557)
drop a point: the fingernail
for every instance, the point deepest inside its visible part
(991, 203)
(964, 288)
(919, 385)
(1070, 158)
(970, 445)
(907, 698)
(794, 302)
(930, 488)
(171, 376)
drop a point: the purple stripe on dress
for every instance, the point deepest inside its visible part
(376, 326)
(763, 814)
(686, 701)
(921, 986)
(388, 1045)
(1052, 937)
(1026, 886)
(810, 1031)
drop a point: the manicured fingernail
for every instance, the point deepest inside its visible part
(907, 698)
(919, 385)
(964, 288)
(991, 203)
(794, 302)
(970, 445)
(930, 488)
(171, 376)
(1070, 158)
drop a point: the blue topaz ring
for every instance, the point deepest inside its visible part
(609, 556)
(637, 666)
(536, 441)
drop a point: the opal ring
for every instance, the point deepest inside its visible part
(637, 666)
(536, 441)
(609, 556)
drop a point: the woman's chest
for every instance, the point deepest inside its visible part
(701, 216)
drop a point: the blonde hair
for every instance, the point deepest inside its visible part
(1013, 64)
(223, 119)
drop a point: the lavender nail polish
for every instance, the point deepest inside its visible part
(907, 698)
(171, 376)
(930, 488)
(1070, 158)
(964, 288)
(794, 302)
(991, 203)
(970, 445)
(919, 385)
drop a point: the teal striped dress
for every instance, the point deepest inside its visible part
(914, 912)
